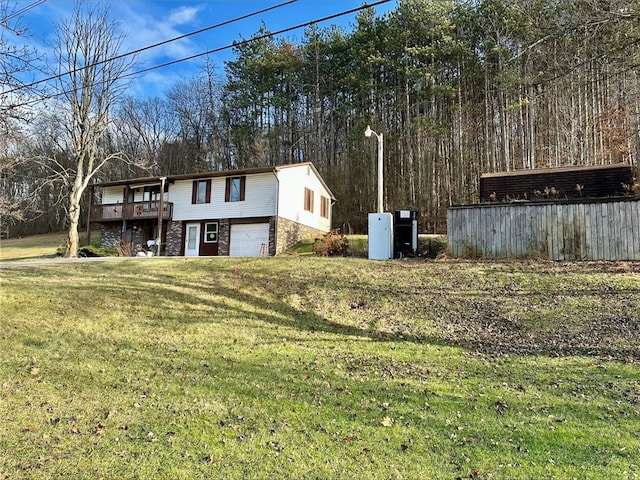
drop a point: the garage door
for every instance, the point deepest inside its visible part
(248, 240)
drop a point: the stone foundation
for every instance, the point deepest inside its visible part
(289, 233)
(110, 234)
(283, 234)
(224, 235)
(173, 244)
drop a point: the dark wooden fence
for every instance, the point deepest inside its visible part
(579, 230)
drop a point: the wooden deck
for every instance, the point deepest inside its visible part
(130, 211)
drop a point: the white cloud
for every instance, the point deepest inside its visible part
(183, 15)
(144, 23)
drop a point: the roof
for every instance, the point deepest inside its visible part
(572, 168)
(222, 173)
(599, 181)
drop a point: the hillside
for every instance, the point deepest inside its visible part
(303, 367)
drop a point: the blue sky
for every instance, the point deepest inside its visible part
(146, 22)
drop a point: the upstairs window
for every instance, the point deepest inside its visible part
(234, 190)
(308, 200)
(201, 192)
(151, 193)
(324, 207)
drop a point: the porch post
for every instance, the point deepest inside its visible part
(160, 214)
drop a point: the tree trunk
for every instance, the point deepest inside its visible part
(73, 240)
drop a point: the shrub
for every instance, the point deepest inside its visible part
(431, 246)
(333, 243)
(90, 251)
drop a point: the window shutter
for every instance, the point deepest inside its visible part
(311, 206)
(208, 192)
(243, 187)
(227, 189)
(194, 192)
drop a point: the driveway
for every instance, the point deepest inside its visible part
(37, 262)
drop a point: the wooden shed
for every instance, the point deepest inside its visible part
(538, 213)
(601, 181)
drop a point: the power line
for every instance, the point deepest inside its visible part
(133, 52)
(253, 39)
(22, 10)
(226, 47)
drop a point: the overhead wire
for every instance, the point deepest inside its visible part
(191, 57)
(22, 10)
(254, 39)
(149, 47)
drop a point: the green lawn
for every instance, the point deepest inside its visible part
(32, 247)
(37, 247)
(305, 367)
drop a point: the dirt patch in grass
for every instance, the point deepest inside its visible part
(515, 308)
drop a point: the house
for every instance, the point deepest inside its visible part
(249, 212)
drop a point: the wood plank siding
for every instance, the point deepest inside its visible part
(557, 183)
(579, 230)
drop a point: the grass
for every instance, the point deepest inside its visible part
(304, 367)
(37, 246)
(32, 247)
(428, 246)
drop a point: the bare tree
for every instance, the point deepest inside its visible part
(144, 126)
(90, 84)
(16, 58)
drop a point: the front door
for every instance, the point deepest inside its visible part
(192, 240)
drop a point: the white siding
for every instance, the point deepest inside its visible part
(293, 181)
(260, 199)
(112, 195)
(116, 195)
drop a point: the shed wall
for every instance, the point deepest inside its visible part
(557, 183)
(608, 230)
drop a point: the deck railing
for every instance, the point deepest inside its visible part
(130, 211)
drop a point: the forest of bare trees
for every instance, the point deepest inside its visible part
(457, 88)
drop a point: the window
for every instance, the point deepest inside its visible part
(235, 189)
(324, 207)
(211, 232)
(201, 192)
(308, 200)
(151, 193)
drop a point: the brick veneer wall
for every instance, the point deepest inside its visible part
(224, 234)
(273, 227)
(283, 234)
(173, 242)
(110, 234)
(289, 233)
